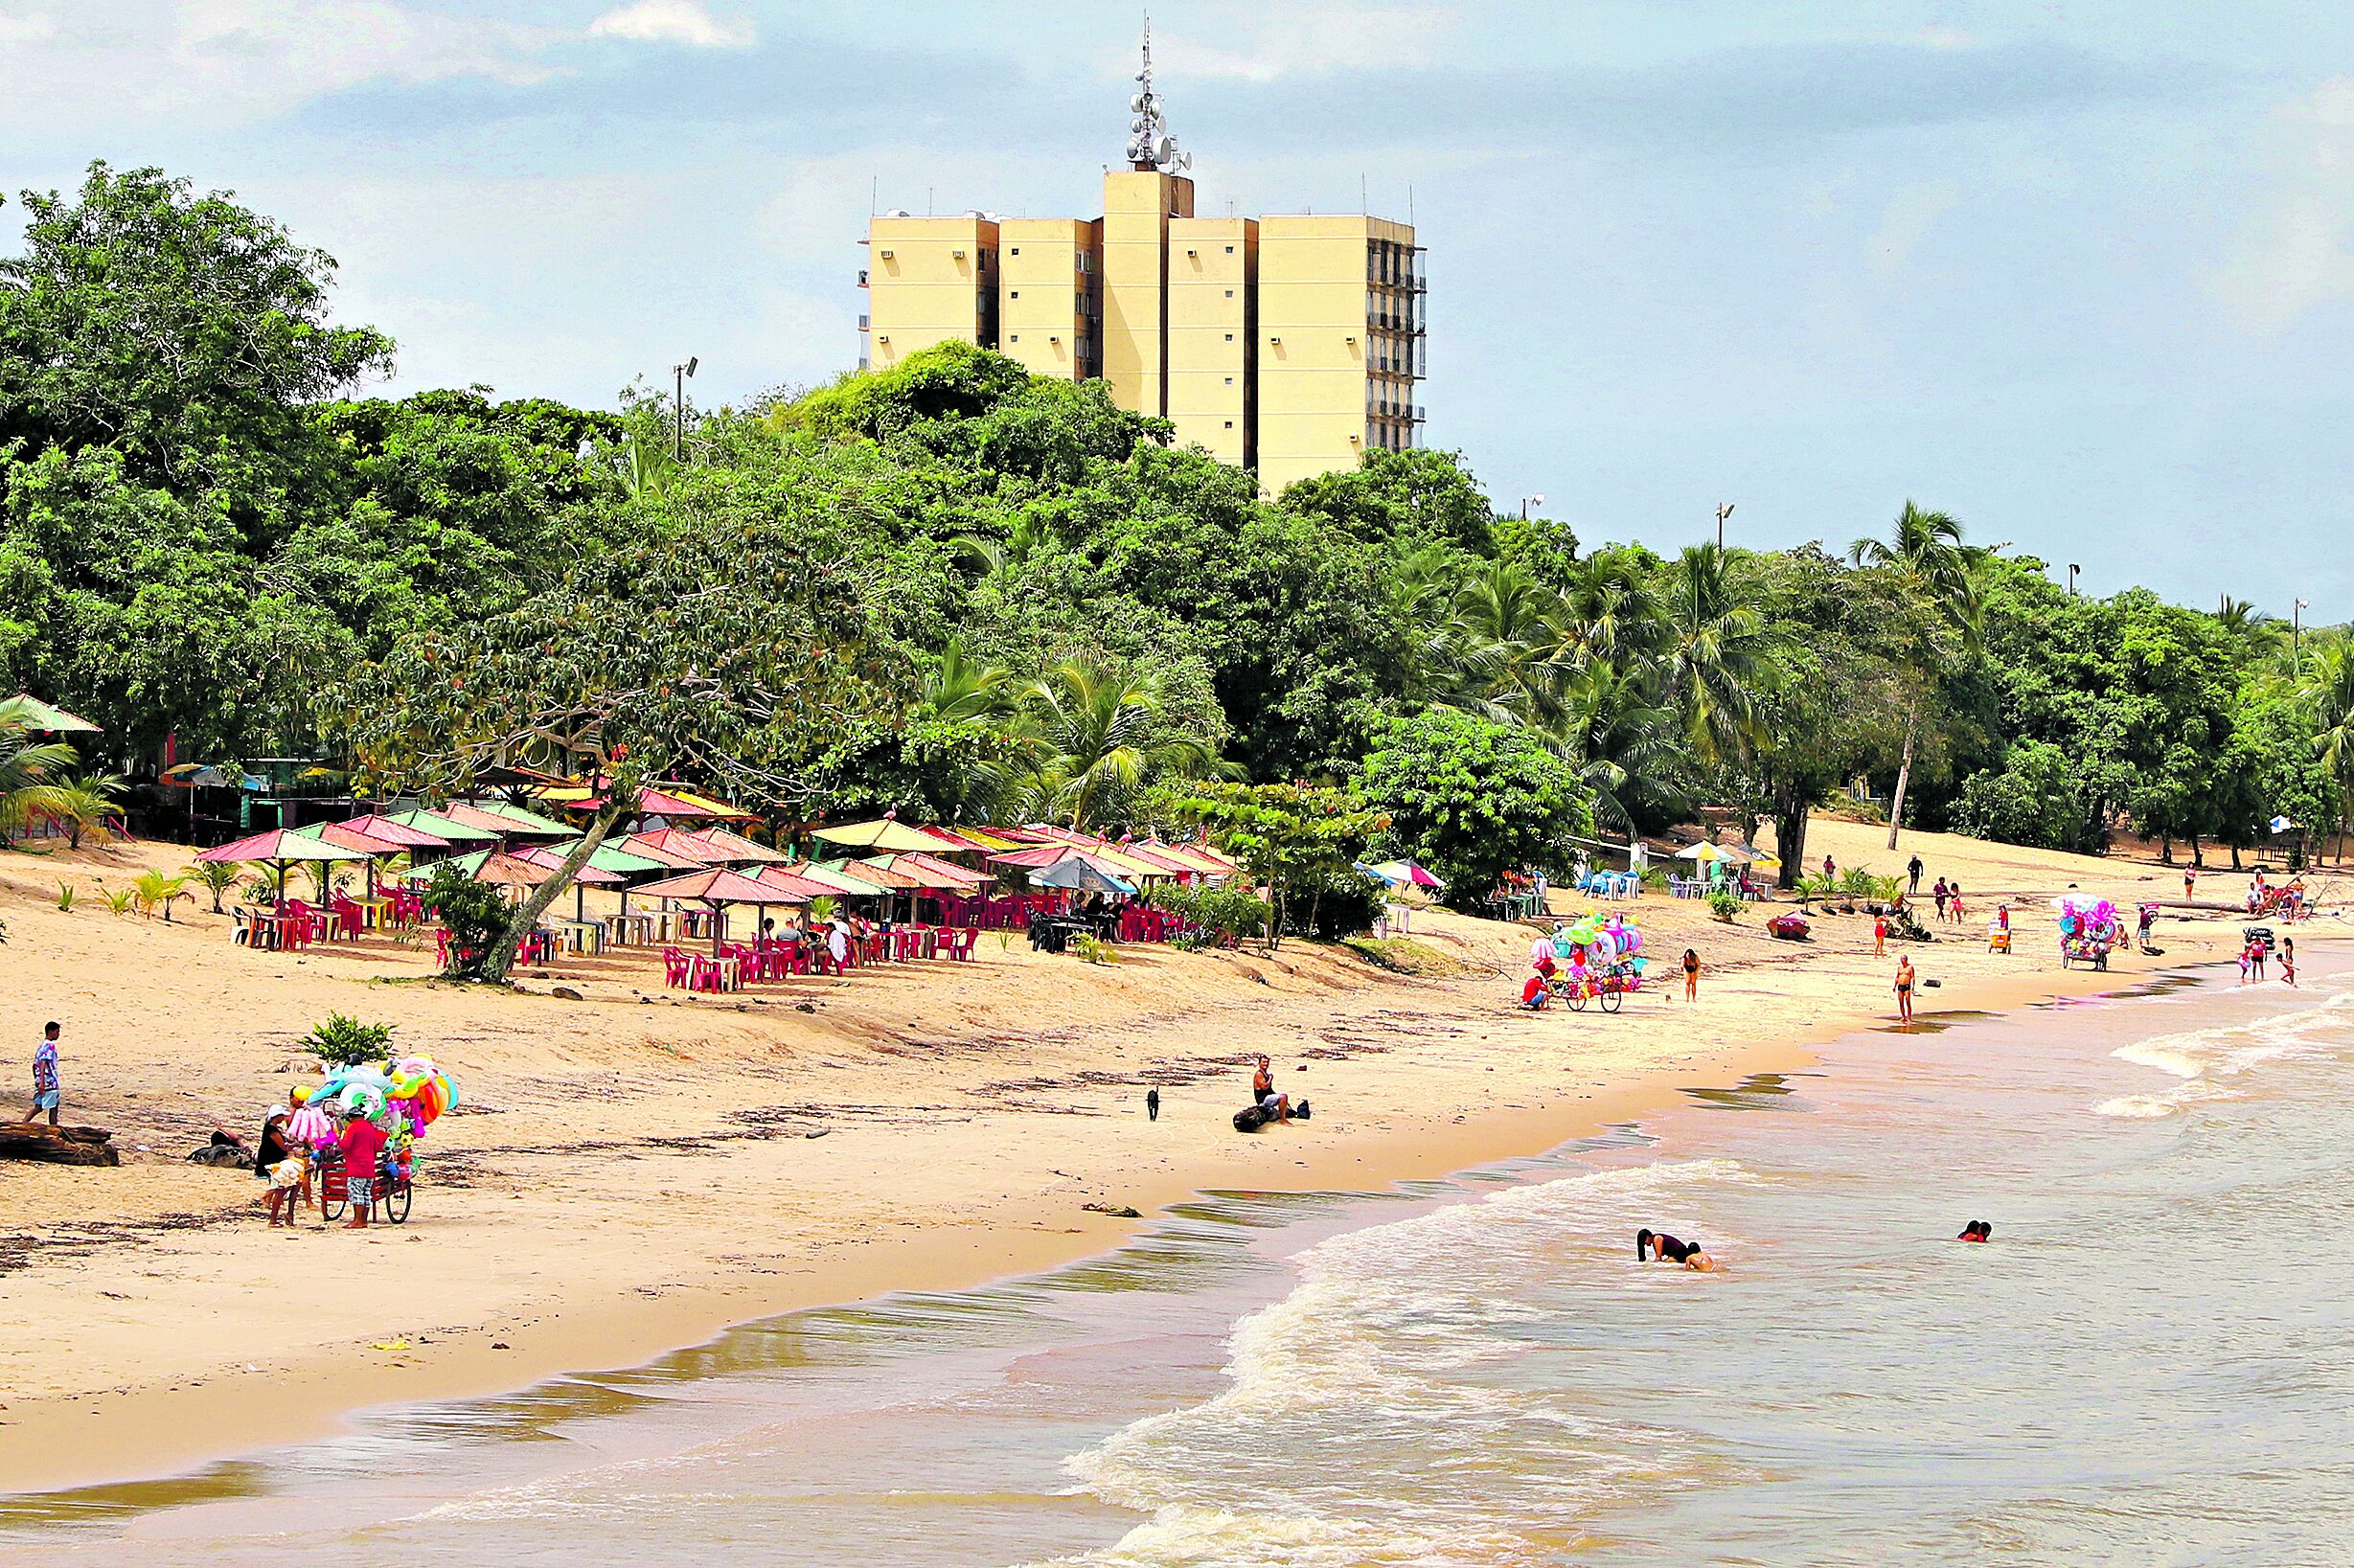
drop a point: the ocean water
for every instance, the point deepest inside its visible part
(2152, 1364)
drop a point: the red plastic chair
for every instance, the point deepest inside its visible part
(674, 966)
(962, 951)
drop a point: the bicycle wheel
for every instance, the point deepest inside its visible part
(394, 1203)
(1612, 998)
(330, 1209)
(1577, 999)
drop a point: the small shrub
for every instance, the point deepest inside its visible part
(1226, 913)
(67, 893)
(344, 1041)
(1724, 905)
(475, 913)
(118, 903)
(1655, 879)
(214, 876)
(1094, 949)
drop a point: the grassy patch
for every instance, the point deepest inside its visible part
(1404, 955)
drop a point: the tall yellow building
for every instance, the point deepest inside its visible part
(1290, 346)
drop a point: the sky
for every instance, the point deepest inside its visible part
(2080, 274)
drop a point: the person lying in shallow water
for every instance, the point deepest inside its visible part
(1977, 1230)
(1659, 1247)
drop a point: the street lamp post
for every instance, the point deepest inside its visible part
(679, 410)
(2297, 637)
(1725, 510)
(2073, 570)
(1528, 501)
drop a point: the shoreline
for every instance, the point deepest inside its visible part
(155, 1435)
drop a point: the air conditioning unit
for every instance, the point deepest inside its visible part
(888, 254)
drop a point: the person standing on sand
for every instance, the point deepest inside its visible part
(1830, 867)
(1691, 975)
(2190, 883)
(1880, 935)
(361, 1141)
(1938, 893)
(1913, 869)
(2287, 961)
(45, 1090)
(1953, 902)
(1903, 989)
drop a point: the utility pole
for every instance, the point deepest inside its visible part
(2073, 570)
(1725, 510)
(2297, 637)
(1527, 501)
(679, 410)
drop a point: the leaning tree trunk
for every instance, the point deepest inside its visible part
(1904, 774)
(494, 963)
(1790, 814)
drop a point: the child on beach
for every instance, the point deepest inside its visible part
(2191, 882)
(2247, 960)
(1880, 935)
(1903, 989)
(45, 1090)
(2287, 961)
(1691, 975)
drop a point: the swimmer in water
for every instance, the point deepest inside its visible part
(1659, 1247)
(1977, 1230)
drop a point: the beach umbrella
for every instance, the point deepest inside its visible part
(394, 832)
(353, 838)
(938, 874)
(48, 718)
(590, 874)
(651, 847)
(1077, 875)
(448, 830)
(279, 846)
(740, 851)
(799, 889)
(716, 886)
(878, 833)
(1702, 853)
(506, 821)
(1407, 873)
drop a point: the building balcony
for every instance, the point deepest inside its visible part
(862, 277)
(865, 322)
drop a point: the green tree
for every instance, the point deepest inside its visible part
(1927, 549)
(1090, 735)
(1471, 799)
(1291, 838)
(31, 769)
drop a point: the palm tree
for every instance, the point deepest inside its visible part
(86, 806)
(2329, 695)
(214, 876)
(1089, 735)
(961, 686)
(1718, 656)
(1609, 612)
(1616, 733)
(1502, 623)
(1927, 549)
(31, 769)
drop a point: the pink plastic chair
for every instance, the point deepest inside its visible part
(674, 968)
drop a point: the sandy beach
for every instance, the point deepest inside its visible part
(633, 1170)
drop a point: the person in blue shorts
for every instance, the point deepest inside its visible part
(45, 1076)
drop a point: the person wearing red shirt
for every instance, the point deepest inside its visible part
(361, 1141)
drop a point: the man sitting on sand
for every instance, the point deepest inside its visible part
(1263, 1093)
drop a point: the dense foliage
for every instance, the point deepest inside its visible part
(958, 591)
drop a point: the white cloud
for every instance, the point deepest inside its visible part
(672, 21)
(1910, 214)
(1298, 38)
(30, 28)
(2296, 253)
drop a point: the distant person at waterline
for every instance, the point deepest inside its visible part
(1977, 1230)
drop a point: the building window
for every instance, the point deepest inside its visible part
(1229, 293)
(1230, 337)
(1229, 381)
(1229, 250)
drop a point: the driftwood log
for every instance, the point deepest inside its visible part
(56, 1146)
